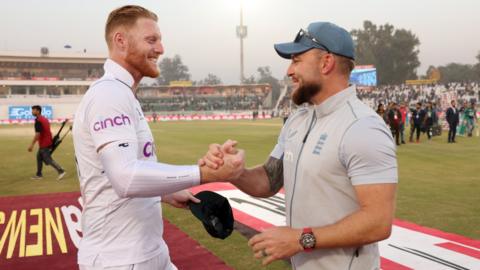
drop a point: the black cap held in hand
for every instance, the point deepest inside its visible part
(214, 212)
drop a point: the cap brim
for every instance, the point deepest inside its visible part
(286, 50)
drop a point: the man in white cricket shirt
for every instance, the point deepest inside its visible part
(335, 157)
(120, 179)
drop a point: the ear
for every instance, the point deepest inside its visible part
(328, 64)
(120, 40)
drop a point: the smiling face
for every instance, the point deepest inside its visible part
(144, 46)
(304, 71)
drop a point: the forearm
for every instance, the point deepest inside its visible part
(35, 139)
(262, 181)
(131, 177)
(360, 228)
(254, 182)
(370, 223)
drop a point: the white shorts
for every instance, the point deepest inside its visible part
(155, 263)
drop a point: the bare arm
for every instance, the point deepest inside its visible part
(370, 223)
(263, 180)
(35, 139)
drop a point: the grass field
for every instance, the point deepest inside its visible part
(439, 182)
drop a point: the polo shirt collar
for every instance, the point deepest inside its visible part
(119, 72)
(334, 102)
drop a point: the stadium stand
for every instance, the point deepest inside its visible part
(206, 98)
(60, 80)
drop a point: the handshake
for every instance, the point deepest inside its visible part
(222, 163)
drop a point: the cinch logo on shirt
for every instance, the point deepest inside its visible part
(148, 149)
(320, 143)
(115, 121)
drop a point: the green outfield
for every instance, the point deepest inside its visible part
(439, 182)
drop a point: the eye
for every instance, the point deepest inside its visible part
(151, 40)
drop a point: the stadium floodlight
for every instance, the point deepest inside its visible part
(241, 34)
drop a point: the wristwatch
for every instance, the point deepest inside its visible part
(307, 239)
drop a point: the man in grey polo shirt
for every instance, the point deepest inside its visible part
(335, 157)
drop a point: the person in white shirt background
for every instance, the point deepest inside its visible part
(121, 181)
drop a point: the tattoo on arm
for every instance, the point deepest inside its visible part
(274, 169)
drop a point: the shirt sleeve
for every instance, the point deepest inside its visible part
(279, 148)
(110, 115)
(38, 126)
(368, 153)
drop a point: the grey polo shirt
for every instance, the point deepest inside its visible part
(327, 149)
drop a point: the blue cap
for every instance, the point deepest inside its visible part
(321, 35)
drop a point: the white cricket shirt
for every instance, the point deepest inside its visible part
(116, 231)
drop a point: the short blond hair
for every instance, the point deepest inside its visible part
(125, 16)
(345, 64)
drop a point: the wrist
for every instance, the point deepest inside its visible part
(307, 239)
(205, 175)
(165, 198)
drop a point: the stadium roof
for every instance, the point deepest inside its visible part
(36, 57)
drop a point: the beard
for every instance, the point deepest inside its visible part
(305, 93)
(137, 59)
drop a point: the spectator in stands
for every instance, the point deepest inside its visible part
(381, 112)
(452, 117)
(418, 118)
(43, 136)
(403, 113)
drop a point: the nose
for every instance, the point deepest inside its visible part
(290, 70)
(159, 48)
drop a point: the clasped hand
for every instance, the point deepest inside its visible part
(222, 163)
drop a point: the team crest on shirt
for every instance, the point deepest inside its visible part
(320, 143)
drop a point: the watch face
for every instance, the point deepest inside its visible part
(308, 240)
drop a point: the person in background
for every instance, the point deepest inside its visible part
(395, 118)
(418, 118)
(429, 118)
(470, 116)
(43, 136)
(403, 112)
(452, 117)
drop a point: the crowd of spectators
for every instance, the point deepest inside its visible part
(413, 110)
(411, 94)
(204, 99)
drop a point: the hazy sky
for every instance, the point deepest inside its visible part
(202, 32)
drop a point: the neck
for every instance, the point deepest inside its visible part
(329, 89)
(137, 77)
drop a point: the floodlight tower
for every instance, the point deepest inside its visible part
(241, 34)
